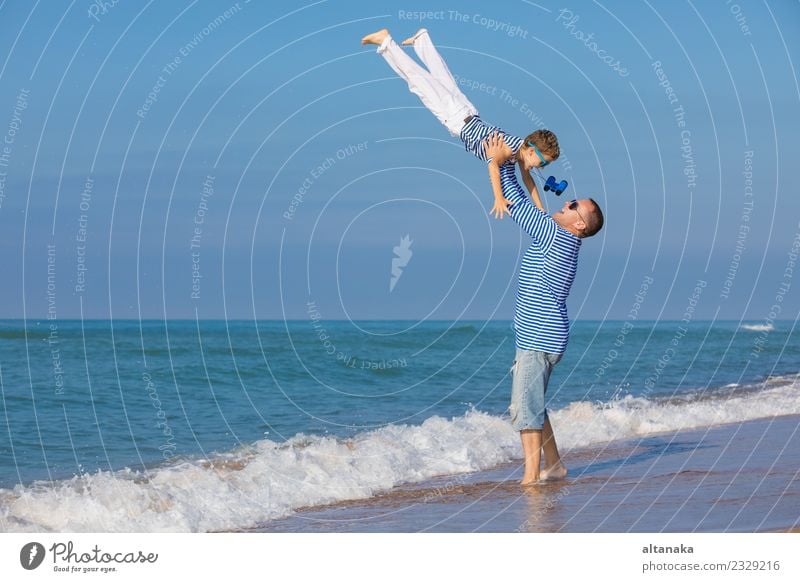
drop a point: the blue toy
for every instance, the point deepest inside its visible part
(557, 188)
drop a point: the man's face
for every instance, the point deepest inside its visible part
(573, 215)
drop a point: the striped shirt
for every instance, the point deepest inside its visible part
(475, 131)
(546, 274)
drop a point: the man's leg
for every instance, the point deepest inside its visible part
(531, 448)
(553, 467)
(530, 377)
(433, 94)
(527, 408)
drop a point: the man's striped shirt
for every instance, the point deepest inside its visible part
(475, 131)
(546, 274)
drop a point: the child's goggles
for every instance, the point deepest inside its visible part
(538, 153)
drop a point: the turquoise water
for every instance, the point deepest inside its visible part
(79, 397)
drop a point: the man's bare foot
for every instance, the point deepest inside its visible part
(410, 40)
(528, 480)
(376, 37)
(557, 471)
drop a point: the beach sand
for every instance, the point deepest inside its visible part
(741, 477)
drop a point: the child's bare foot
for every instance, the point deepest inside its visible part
(376, 37)
(410, 40)
(557, 471)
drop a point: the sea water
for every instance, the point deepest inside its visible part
(207, 425)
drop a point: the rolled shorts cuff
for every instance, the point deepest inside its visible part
(530, 375)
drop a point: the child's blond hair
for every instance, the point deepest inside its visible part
(546, 141)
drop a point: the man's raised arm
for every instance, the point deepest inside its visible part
(536, 223)
(509, 194)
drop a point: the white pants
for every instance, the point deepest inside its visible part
(436, 87)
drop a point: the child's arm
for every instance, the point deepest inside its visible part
(498, 152)
(533, 190)
(500, 202)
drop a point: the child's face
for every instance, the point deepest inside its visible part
(530, 160)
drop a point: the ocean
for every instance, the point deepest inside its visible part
(185, 425)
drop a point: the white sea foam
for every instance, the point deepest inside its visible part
(757, 327)
(582, 423)
(243, 488)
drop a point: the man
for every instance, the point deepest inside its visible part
(540, 321)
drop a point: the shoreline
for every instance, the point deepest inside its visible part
(740, 476)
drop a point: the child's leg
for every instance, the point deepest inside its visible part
(430, 57)
(427, 53)
(434, 95)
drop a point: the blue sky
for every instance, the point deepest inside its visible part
(297, 161)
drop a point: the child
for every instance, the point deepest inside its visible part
(439, 92)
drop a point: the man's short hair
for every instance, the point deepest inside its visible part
(595, 220)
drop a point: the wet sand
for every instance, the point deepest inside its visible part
(741, 477)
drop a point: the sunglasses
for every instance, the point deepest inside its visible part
(574, 206)
(538, 153)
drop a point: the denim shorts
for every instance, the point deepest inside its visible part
(530, 374)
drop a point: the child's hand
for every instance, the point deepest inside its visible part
(500, 208)
(496, 148)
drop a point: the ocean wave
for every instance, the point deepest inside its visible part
(29, 334)
(251, 485)
(583, 424)
(757, 327)
(463, 328)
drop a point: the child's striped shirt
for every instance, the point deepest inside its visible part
(475, 131)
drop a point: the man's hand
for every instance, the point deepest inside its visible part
(496, 148)
(500, 208)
